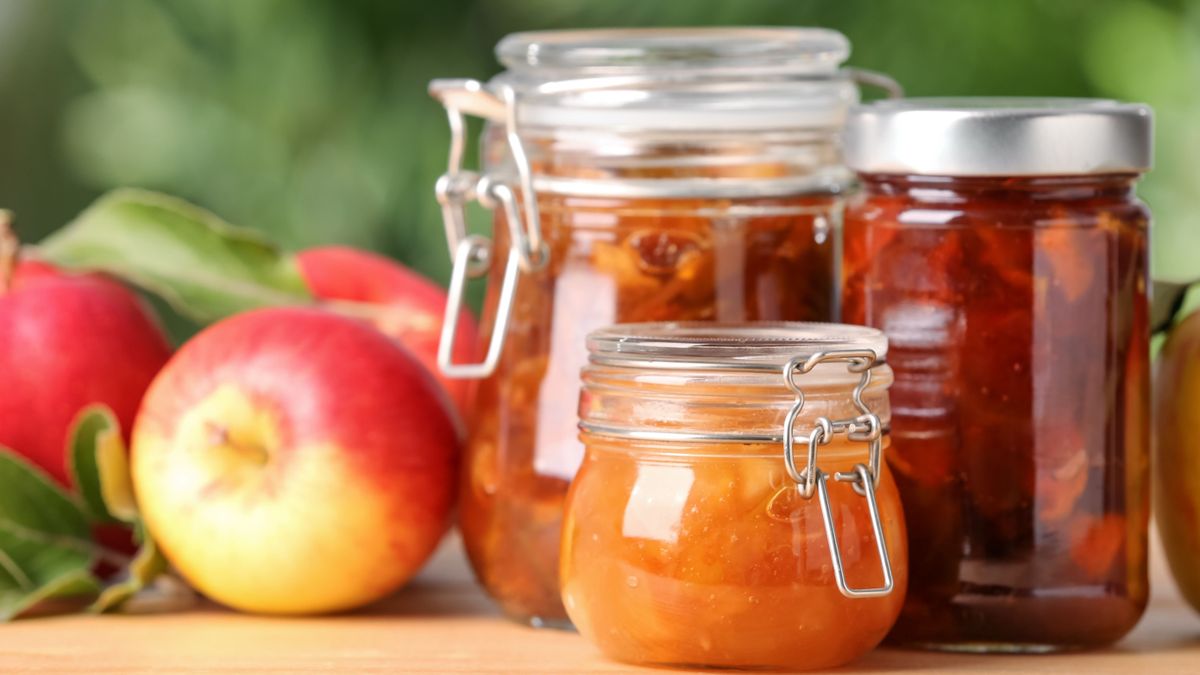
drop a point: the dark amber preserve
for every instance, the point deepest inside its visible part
(613, 261)
(1017, 312)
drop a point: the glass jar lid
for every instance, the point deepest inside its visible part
(679, 79)
(624, 51)
(999, 137)
(759, 370)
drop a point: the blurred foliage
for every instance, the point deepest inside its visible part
(309, 118)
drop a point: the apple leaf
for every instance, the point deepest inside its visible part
(116, 483)
(46, 549)
(45, 544)
(147, 565)
(1173, 301)
(72, 583)
(94, 426)
(100, 464)
(204, 267)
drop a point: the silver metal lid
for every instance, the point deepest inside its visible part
(765, 346)
(999, 137)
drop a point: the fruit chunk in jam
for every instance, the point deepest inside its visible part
(706, 554)
(1016, 311)
(613, 261)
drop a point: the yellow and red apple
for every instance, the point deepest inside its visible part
(1177, 454)
(405, 305)
(294, 461)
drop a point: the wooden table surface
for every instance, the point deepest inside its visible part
(442, 623)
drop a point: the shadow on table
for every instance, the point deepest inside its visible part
(1170, 651)
(432, 600)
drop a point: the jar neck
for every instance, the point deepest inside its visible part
(1009, 189)
(687, 164)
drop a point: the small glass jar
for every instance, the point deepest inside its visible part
(732, 509)
(1000, 246)
(636, 175)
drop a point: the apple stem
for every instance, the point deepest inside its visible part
(9, 246)
(219, 437)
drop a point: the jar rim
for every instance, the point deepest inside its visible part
(610, 51)
(761, 346)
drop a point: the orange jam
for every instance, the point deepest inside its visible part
(634, 176)
(684, 546)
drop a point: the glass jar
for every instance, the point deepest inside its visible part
(1000, 246)
(640, 175)
(732, 509)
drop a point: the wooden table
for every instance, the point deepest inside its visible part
(442, 623)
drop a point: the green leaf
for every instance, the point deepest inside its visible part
(116, 482)
(147, 565)
(204, 267)
(100, 465)
(94, 425)
(45, 544)
(72, 583)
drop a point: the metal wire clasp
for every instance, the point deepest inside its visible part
(811, 480)
(473, 254)
(870, 78)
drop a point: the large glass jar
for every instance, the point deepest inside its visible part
(1000, 246)
(636, 176)
(732, 509)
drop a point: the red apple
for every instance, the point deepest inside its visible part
(294, 461)
(409, 307)
(67, 341)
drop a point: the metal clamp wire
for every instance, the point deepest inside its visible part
(475, 247)
(458, 186)
(472, 254)
(806, 478)
(535, 253)
(863, 479)
(867, 426)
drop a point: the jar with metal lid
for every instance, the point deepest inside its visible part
(732, 509)
(636, 175)
(999, 244)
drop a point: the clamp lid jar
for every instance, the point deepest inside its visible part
(732, 509)
(635, 176)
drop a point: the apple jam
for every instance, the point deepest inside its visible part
(634, 177)
(611, 261)
(1017, 314)
(688, 541)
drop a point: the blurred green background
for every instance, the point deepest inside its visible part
(309, 118)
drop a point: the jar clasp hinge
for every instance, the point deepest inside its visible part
(472, 255)
(810, 480)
